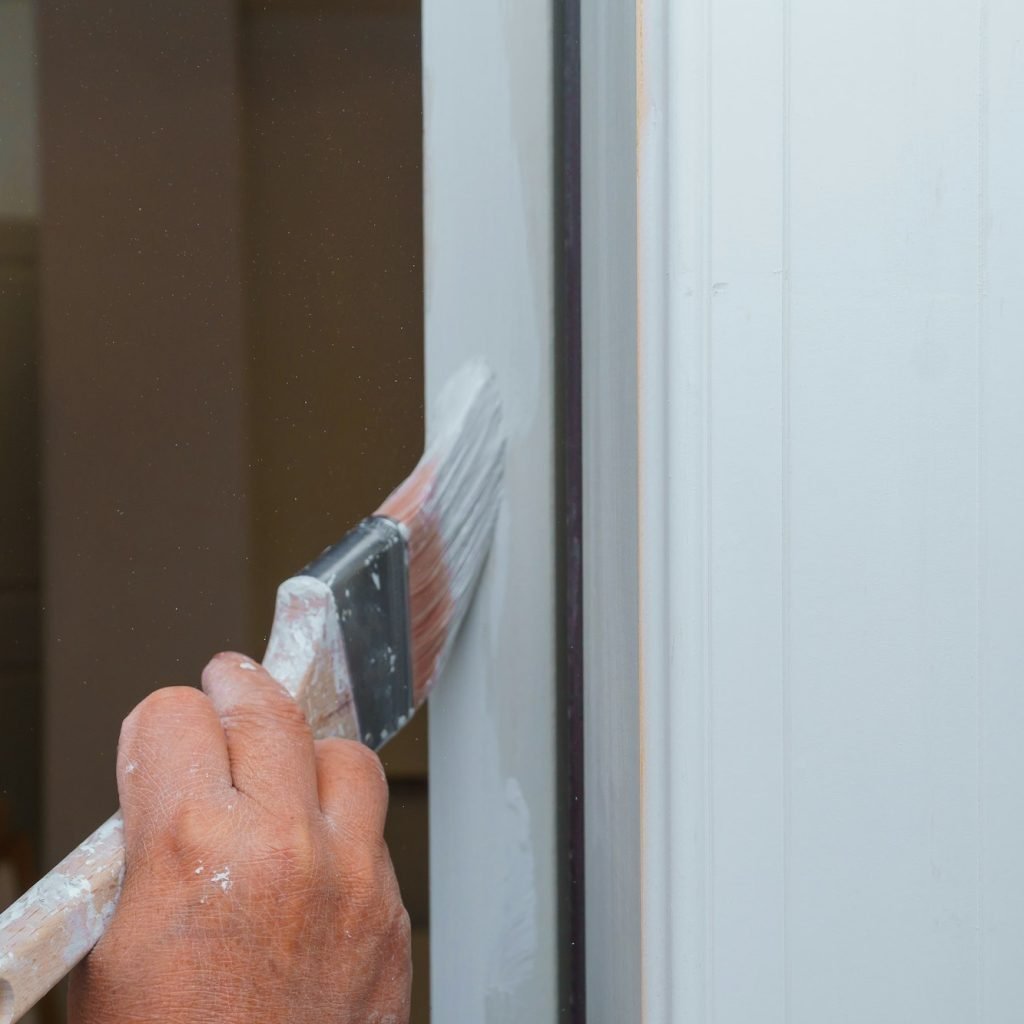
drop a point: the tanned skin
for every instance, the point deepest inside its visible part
(258, 887)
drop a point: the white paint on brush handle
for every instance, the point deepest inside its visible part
(52, 927)
(55, 924)
(306, 655)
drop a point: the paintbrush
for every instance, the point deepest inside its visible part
(359, 638)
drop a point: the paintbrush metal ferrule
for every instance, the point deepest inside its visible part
(368, 574)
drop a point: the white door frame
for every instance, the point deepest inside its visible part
(489, 203)
(614, 811)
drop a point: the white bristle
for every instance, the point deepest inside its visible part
(448, 507)
(467, 450)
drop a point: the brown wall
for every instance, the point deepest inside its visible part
(335, 311)
(145, 501)
(232, 346)
(19, 534)
(333, 215)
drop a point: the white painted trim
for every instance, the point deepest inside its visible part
(646, 309)
(610, 543)
(489, 294)
(673, 198)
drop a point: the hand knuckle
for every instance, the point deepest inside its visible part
(262, 725)
(361, 895)
(189, 828)
(356, 791)
(294, 852)
(365, 874)
(400, 924)
(169, 701)
(364, 769)
(280, 714)
(153, 713)
(290, 714)
(228, 662)
(227, 658)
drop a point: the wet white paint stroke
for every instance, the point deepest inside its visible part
(515, 948)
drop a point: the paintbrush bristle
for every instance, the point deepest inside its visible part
(447, 508)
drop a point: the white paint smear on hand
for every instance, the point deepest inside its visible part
(222, 878)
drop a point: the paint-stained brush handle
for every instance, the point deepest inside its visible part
(51, 928)
(55, 924)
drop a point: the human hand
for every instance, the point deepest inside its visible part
(258, 886)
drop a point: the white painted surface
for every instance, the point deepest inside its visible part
(831, 251)
(19, 191)
(488, 158)
(612, 752)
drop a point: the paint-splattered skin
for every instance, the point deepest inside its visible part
(248, 894)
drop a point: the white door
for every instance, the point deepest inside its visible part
(808, 232)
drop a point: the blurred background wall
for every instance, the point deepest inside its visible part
(20, 598)
(211, 320)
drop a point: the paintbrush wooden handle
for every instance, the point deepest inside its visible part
(51, 928)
